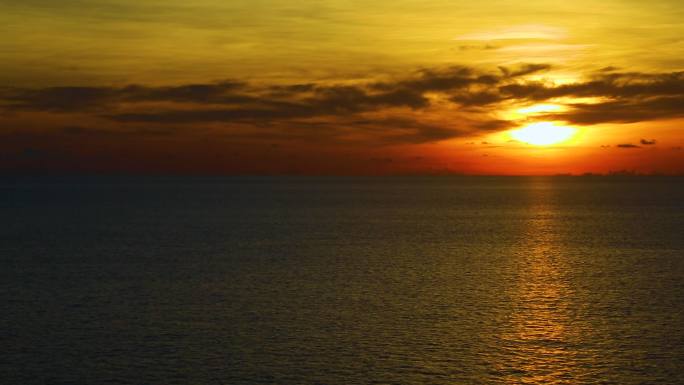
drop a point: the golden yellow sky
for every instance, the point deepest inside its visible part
(342, 87)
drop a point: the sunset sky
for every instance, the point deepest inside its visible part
(341, 87)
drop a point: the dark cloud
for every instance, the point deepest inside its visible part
(58, 98)
(343, 99)
(623, 97)
(291, 89)
(75, 99)
(628, 97)
(439, 80)
(647, 142)
(99, 132)
(313, 100)
(211, 115)
(493, 125)
(623, 110)
(217, 93)
(405, 130)
(325, 101)
(423, 134)
(476, 99)
(525, 69)
(627, 145)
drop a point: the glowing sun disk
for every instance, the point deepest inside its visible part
(542, 134)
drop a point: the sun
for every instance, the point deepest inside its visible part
(543, 133)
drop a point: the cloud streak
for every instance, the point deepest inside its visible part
(470, 96)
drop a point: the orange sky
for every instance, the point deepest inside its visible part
(342, 87)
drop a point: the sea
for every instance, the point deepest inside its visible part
(342, 280)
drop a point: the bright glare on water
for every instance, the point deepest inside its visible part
(450, 280)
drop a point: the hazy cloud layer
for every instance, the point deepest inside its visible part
(397, 106)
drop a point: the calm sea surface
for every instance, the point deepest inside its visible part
(444, 280)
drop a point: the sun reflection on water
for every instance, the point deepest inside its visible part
(538, 340)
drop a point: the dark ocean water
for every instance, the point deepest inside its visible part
(444, 280)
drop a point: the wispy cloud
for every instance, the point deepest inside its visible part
(518, 32)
